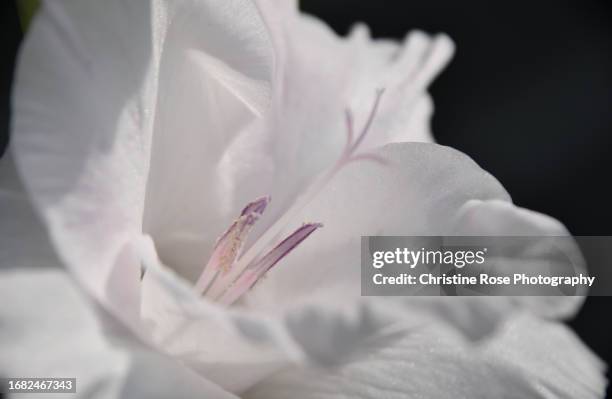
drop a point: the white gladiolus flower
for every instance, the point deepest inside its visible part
(166, 156)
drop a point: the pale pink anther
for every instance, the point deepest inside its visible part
(254, 272)
(258, 206)
(230, 244)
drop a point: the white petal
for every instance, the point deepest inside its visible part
(42, 300)
(529, 359)
(319, 75)
(317, 314)
(421, 193)
(222, 343)
(551, 357)
(548, 239)
(215, 77)
(213, 342)
(50, 328)
(94, 105)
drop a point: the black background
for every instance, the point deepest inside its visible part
(528, 96)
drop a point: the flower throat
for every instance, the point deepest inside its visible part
(231, 271)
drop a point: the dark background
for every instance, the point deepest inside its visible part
(528, 96)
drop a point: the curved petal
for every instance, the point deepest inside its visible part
(238, 350)
(45, 302)
(50, 328)
(418, 194)
(550, 356)
(215, 78)
(92, 104)
(309, 308)
(232, 348)
(320, 75)
(548, 244)
(223, 344)
(423, 192)
(529, 359)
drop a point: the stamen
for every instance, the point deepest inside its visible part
(348, 156)
(230, 244)
(257, 206)
(253, 273)
(228, 274)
